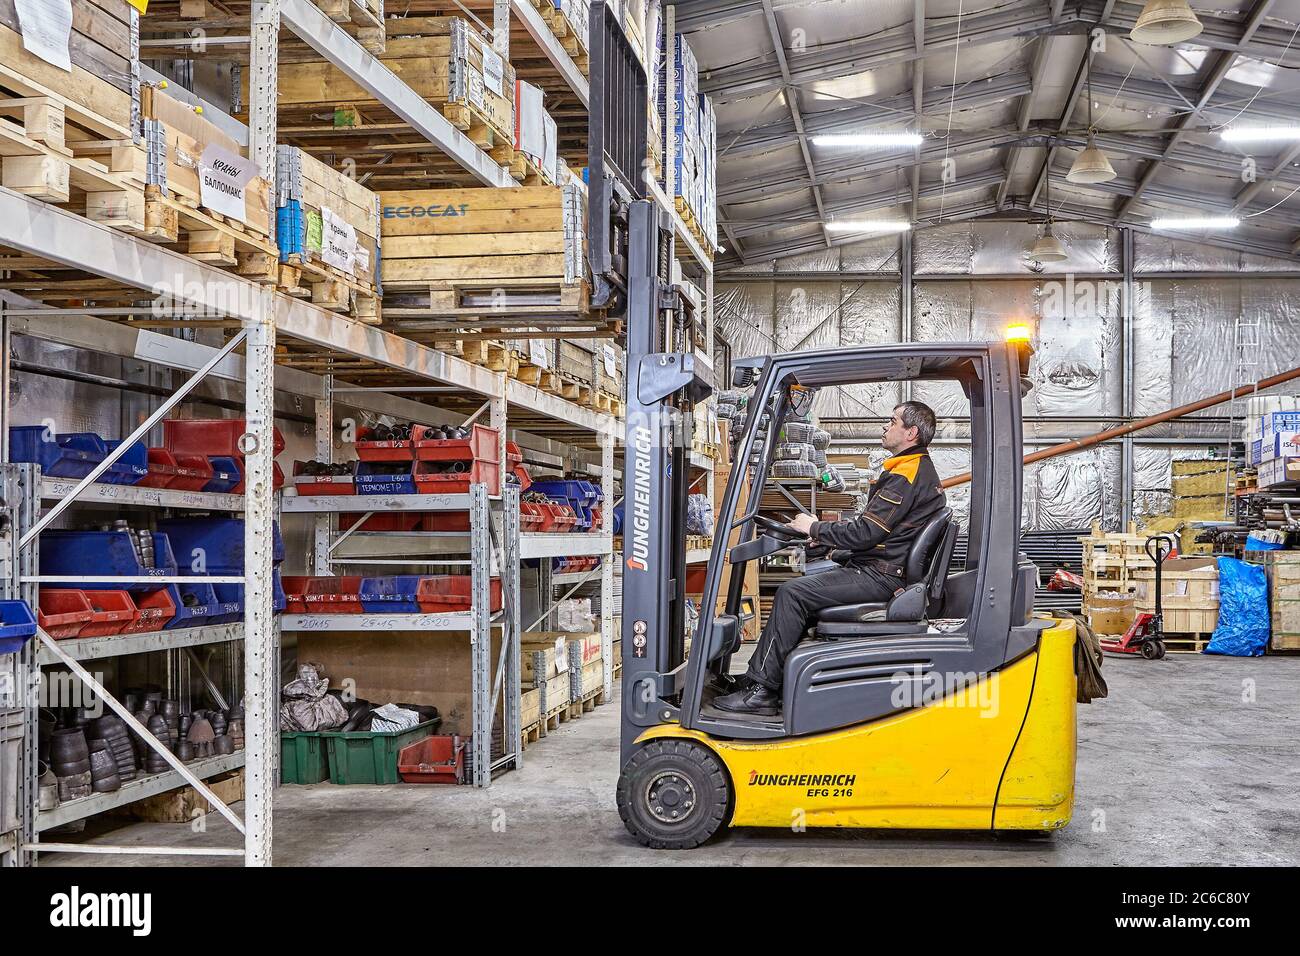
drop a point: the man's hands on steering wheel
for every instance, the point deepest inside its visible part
(796, 530)
(802, 523)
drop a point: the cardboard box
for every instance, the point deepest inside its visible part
(1279, 471)
(1110, 612)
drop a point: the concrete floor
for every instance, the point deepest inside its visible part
(1191, 760)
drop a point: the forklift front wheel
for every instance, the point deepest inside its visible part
(673, 794)
(1151, 650)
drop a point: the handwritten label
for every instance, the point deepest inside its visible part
(494, 71)
(223, 181)
(338, 242)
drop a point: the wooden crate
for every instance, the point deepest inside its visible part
(530, 707)
(1189, 594)
(186, 804)
(474, 253)
(340, 272)
(174, 197)
(555, 694)
(587, 682)
(66, 137)
(542, 658)
(1283, 570)
(440, 58)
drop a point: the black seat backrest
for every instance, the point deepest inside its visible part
(925, 547)
(938, 573)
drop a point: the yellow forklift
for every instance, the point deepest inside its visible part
(951, 706)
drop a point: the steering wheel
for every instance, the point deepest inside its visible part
(778, 528)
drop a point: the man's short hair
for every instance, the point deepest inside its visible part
(920, 416)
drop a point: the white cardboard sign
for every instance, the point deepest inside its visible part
(223, 182)
(338, 241)
(46, 26)
(494, 71)
(611, 362)
(537, 353)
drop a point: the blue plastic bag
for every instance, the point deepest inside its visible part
(1243, 610)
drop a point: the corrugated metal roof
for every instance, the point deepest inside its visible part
(1000, 96)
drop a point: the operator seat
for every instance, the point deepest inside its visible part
(924, 574)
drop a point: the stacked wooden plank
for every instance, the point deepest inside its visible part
(474, 255)
(442, 59)
(201, 190)
(544, 668)
(66, 133)
(328, 231)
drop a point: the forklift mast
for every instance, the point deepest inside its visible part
(663, 386)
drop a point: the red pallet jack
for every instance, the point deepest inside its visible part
(1146, 635)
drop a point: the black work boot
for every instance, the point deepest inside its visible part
(754, 699)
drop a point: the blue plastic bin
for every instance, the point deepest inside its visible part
(220, 539)
(579, 495)
(206, 610)
(17, 626)
(62, 456)
(226, 475)
(234, 594)
(103, 552)
(130, 468)
(391, 595)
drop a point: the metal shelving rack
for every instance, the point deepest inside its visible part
(263, 316)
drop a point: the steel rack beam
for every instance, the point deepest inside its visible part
(53, 489)
(325, 37)
(442, 621)
(541, 544)
(550, 45)
(120, 645)
(316, 504)
(683, 234)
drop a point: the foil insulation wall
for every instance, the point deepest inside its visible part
(1183, 330)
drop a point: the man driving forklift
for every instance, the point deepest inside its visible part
(870, 549)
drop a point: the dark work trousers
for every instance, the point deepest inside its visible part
(795, 608)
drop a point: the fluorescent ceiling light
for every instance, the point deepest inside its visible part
(1259, 134)
(870, 140)
(867, 225)
(1196, 222)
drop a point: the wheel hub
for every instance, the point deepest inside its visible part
(670, 797)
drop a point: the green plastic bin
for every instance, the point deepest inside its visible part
(371, 757)
(304, 757)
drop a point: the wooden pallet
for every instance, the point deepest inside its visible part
(531, 734)
(331, 289)
(693, 226)
(185, 804)
(230, 18)
(1177, 642)
(572, 40)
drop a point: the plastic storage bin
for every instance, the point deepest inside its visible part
(385, 478)
(62, 614)
(201, 609)
(153, 610)
(130, 469)
(436, 759)
(60, 456)
(17, 626)
(322, 484)
(219, 540)
(359, 757)
(304, 757)
(209, 436)
(226, 475)
(110, 553)
(113, 610)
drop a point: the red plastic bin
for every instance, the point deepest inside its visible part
(322, 484)
(333, 595)
(63, 613)
(369, 450)
(480, 472)
(209, 436)
(451, 592)
(436, 759)
(445, 521)
(113, 611)
(383, 521)
(295, 592)
(153, 610)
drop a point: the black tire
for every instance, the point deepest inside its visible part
(1150, 650)
(694, 788)
(1160, 650)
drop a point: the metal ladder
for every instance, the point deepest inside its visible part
(1246, 344)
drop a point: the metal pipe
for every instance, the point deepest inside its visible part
(141, 430)
(1078, 444)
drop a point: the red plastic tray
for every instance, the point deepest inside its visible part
(322, 484)
(368, 450)
(445, 521)
(153, 610)
(481, 445)
(307, 594)
(63, 613)
(113, 611)
(451, 592)
(480, 472)
(209, 436)
(384, 521)
(436, 759)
